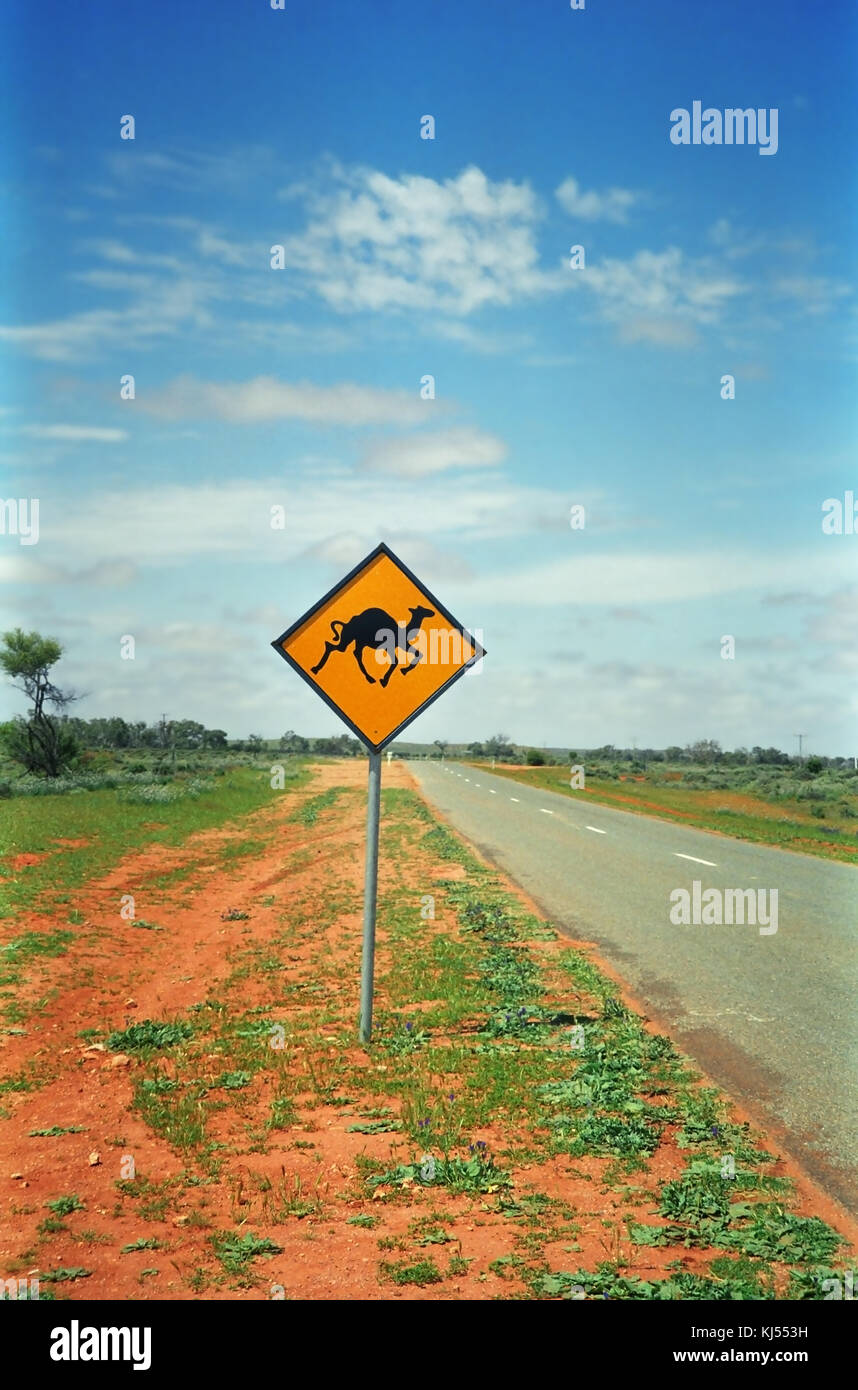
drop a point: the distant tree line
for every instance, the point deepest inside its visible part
(341, 746)
(48, 740)
(705, 752)
(116, 733)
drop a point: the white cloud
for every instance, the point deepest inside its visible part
(418, 456)
(265, 398)
(611, 206)
(721, 233)
(119, 253)
(376, 242)
(658, 286)
(75, 434)
(328, 507)
(173, 524)
(63, 340)
(675, 333)
(490, 343)
(227, 171)
(661, 297)
(835, 623)
(229, 252)
(161, 308)
(345, 549)
(23, 567)
(816, 294)
(619, 579)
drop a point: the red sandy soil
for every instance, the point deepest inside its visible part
(23, 861)
(115, 973)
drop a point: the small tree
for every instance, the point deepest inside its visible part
(290, 742)
(40, 743)
(499, 746)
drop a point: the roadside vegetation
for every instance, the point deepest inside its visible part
(806, 808)
(57, 840)
(513, 1130)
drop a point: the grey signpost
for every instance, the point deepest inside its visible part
(370, 881)
(307, 646)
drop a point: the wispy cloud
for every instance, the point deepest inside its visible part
(613, 205)
(815, 294)
(420, 455)
(266, 399)
(176, 523)
(631, 578)
(660, 296)
(374, 242)
(75, 434)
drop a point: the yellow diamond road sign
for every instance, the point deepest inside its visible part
(379, 648)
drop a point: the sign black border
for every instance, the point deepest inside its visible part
(380, 549)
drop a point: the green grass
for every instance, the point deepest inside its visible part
(19, 953)
(51, 1226)
(177, 1115)
(782, 821)
(154, 1199)
(473, 1023)
(308, 813)
(64, 1206)
(114, 827)
(142, 1243)
(235, 1251)
(21, 950)
(477, 1174)
(149, 1036)
(233, 1080)
(607, 1282)
(374, 1127)
(55, 1131)
(33, 1074)
(400, 1272)
(489, 1051)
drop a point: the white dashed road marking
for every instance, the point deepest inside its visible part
(596, 830)
(546, 813)
(513, 798)
(694, 859)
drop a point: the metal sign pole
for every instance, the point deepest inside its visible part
(325, 647)
(369, 891)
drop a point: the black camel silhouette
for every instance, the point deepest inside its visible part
(375, 628)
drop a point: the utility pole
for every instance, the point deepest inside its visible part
(801, 738)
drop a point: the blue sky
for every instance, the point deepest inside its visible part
(405, 257)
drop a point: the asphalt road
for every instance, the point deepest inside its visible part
(770, 1017)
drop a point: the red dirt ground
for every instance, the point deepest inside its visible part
(114, 973)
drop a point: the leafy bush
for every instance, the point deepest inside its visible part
(235, 1251)
(148, 1033)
